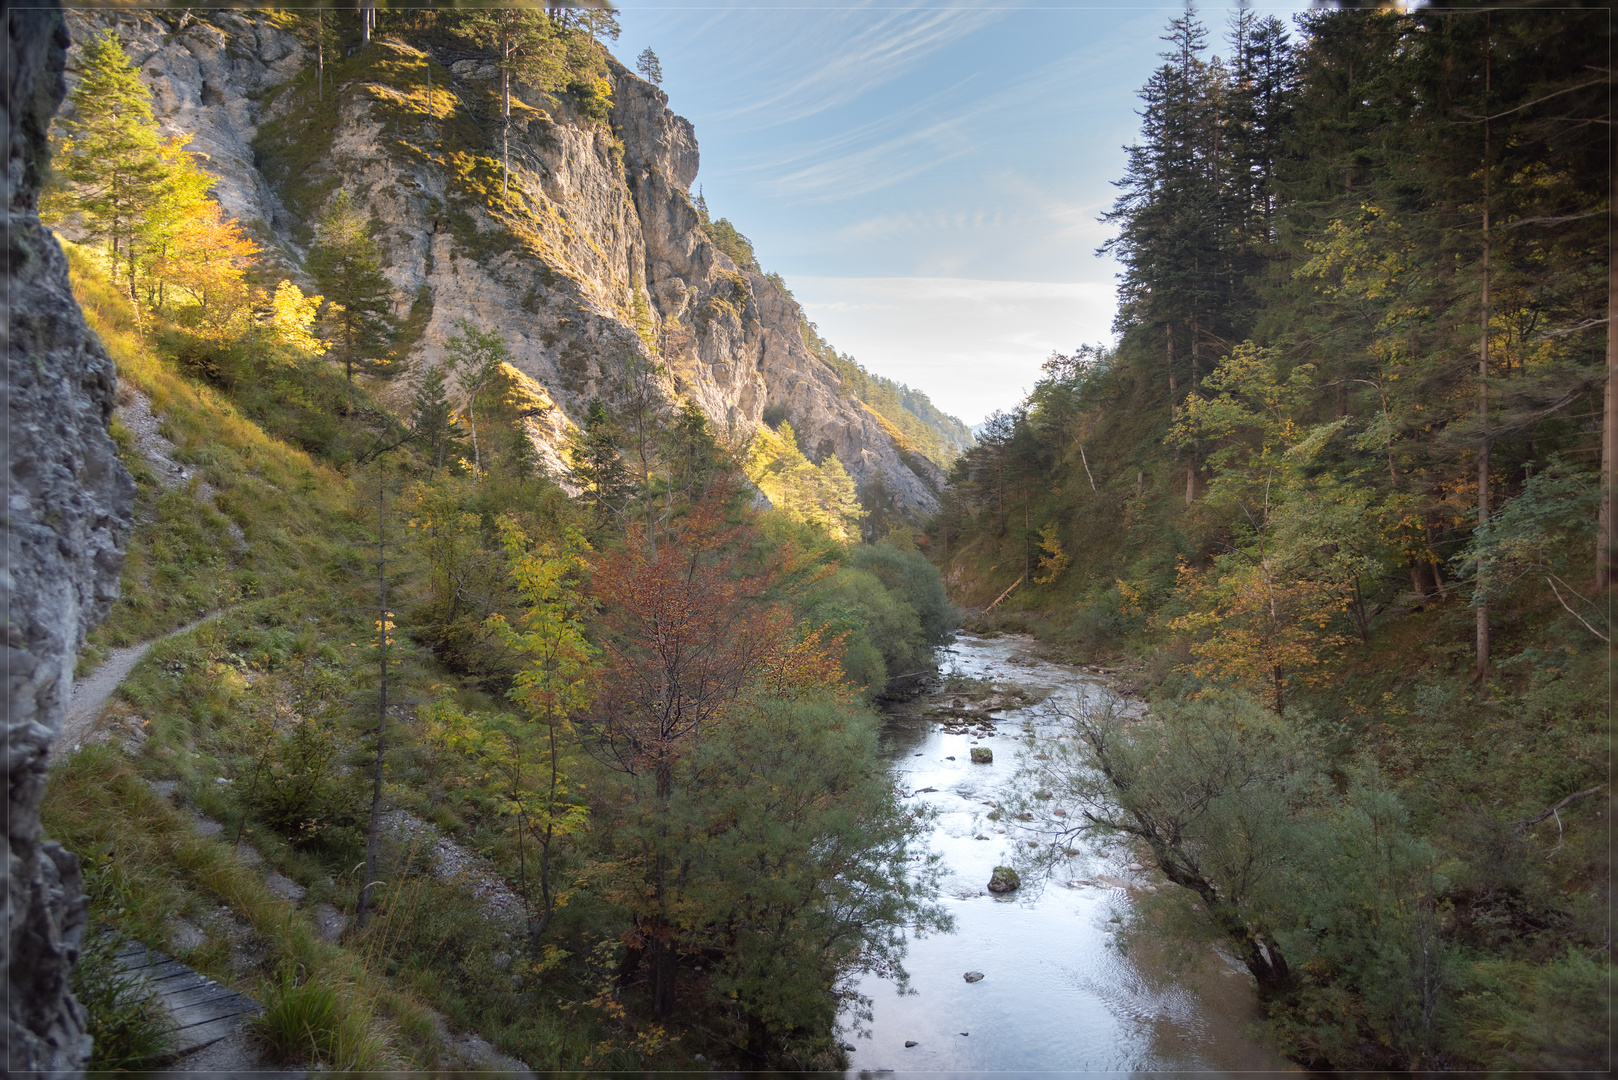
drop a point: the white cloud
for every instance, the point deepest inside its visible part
(972, 345)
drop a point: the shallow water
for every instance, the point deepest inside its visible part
(1057, 995)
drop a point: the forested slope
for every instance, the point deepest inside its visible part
(1339, 482)
(493, 748)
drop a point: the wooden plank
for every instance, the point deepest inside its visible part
(168, 969)
(191, 995)
(214, 1009)
(200, 1035)
(179, 984)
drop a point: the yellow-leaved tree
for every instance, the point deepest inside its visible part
(1266, 613)
(292, 318)
(520, 759)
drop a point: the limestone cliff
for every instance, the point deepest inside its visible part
(593, 260)
(66, 517)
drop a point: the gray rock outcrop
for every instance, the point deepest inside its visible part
(66, 517)
(595, 262)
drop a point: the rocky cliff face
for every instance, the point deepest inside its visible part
(593, 263)
(66, 516)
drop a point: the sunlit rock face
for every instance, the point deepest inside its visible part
(592, 263)
(66, 519)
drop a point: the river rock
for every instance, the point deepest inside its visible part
(1136, 867)
(1004, 880)
(909, 1043)
(973, 976)
(982, 755)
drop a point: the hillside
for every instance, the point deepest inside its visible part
(417, 625)
(1342, 482)
(589, 258)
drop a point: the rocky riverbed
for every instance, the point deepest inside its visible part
(1032, 978)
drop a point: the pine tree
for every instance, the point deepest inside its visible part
(529, 49)
(647, 64)
(347, 267)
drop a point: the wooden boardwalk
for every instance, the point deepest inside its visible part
(204, 1011)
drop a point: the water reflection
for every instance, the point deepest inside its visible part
(1057, 994)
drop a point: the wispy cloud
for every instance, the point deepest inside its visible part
(840, 55)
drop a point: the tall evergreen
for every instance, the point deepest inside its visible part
(112, 156)
(347, 267)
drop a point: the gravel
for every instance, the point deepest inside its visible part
(453, 864)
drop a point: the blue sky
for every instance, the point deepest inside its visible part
(926, 176)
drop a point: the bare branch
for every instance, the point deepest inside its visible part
(1530, 104)
(1523, 825)
(1573, 613)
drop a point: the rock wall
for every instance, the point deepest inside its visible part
(594, 261)
(66, 517)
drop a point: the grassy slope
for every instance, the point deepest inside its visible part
(288, 649)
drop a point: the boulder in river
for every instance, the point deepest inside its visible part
(1004, 879)
(909, 1043)
(974, 976)
(982, 755)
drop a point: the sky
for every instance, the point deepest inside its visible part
(926, 176)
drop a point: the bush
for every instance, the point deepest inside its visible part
(909, 576)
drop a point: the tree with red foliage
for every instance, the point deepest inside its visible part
(692, 629)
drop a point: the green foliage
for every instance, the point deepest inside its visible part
(112, 154)
(910, 577)
(802, 878)
(648, 66)
(298, 786)
(736, 247)
(822, 495)
(127, 1021)
(346, 265)
(432, 421)
(305, 1021)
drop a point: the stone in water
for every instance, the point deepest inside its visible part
(973, 976)
(909, 1043)
(1004, 880)
(982, 755)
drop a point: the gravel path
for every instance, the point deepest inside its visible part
(92, 692)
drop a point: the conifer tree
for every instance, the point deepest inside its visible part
(529, 49)
(113, 156)
(597, 463)
(347, 267)
(432, 419)
(649, 67)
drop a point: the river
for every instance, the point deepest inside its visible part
(1057, 993)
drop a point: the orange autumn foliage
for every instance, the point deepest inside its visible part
(692, 628)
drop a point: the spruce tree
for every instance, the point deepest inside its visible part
(347, 268)
(432, 419)
(112, 155)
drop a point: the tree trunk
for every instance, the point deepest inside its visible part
(363, 914)
(1483, 404)
(1605, 553)
(505, 108)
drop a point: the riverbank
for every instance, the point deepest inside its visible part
(1066, 983)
